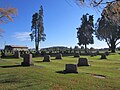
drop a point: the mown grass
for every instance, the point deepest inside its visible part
(45, 76)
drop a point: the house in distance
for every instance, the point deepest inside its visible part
(15, 48)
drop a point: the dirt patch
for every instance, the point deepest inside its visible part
(98, 76)
(118, 68)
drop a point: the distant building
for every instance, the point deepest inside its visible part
(14, 48)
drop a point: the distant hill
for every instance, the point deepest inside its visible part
(55, 47)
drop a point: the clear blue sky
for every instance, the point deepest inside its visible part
(60, 22)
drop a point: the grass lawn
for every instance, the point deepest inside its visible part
(44, 76)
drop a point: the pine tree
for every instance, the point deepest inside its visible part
(37, 28)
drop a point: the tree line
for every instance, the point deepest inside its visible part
(106, 28)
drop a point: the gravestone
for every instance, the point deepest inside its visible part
(83, 62)
(46, 58)
(107, 53)
(76, 55)
(16, 54)
(103, 56)
(58, 56)
(33, 54)
(71, 68)
(27, 60)
(97, 52)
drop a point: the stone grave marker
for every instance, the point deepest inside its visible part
(107, 53)
(58, 56)
(16, 54)
(71, 68)
(76, 55)
(97, 52)
(27, 60)
(103, 56)
(46, 58)
(83, 62)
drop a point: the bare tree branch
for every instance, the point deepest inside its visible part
(117, 43)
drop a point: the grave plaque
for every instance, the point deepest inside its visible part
(103, 56)
(46, 58)
(58, 56)
(83, 62)
(76, 55)
(27, 60)
(17, 54)
(107, 53)
(71, 68)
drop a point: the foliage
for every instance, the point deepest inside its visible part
(85, 31)
(95, 3)
(6, 14)
(107, 30)
(112, 12)
(37, 28)
(111, 8)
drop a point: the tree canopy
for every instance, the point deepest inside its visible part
(37, 28)
(111, 8)
(85, 31)
(108, 32)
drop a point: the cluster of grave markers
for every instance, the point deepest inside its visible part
(69, 68)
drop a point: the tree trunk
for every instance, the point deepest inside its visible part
(37, 48)
(113, 47)
(86, 48)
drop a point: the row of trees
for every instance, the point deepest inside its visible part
(106, 28)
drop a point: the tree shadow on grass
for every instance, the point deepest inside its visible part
(57, 59)
(64, 72)
(8, 66)
(9, 57)
(54, 59)
(38, 61)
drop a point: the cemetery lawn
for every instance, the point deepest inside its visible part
(49, 75)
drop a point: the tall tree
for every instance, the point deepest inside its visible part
(108, 32)
(37, 28)
(108, 26)
(85, 31)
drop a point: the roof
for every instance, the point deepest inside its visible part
(16, 46)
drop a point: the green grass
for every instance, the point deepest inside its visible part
(43, 76)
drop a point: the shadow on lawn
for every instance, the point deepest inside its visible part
(64, 72)
(38, 61)
(11, 66)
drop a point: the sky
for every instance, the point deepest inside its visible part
(61, 18)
